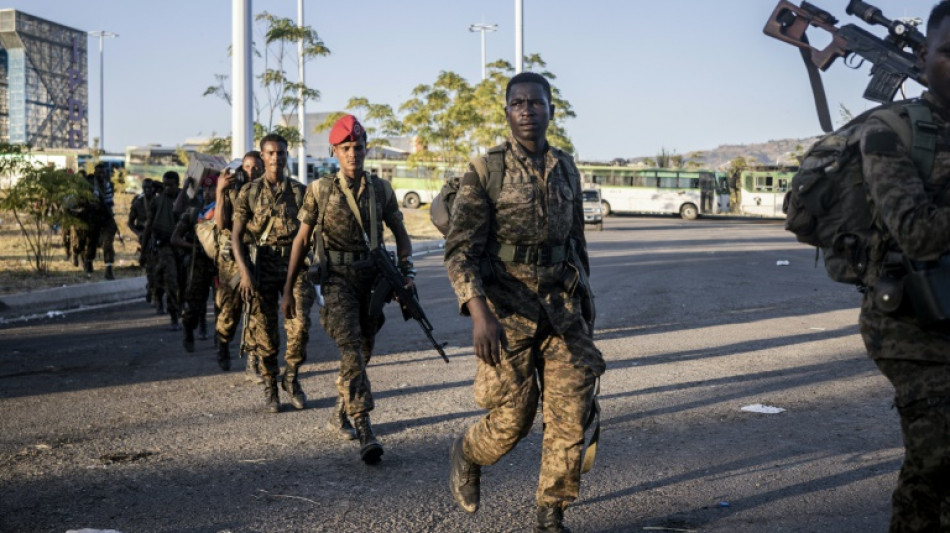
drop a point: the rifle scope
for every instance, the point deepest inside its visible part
(899, 29)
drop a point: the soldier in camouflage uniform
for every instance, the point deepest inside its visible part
(227, 295)
(158, 234)
(350, 276)
(529, 332)
(138, 217)
(915, 210)
(265, 217)
(199, 268)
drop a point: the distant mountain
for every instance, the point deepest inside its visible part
(766, 153)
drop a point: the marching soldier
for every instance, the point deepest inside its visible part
(158, 234)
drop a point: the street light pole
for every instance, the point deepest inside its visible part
(101, 34)
(302, 118)
(519, 36)
(482, 28)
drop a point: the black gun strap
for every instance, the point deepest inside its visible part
(817, 88)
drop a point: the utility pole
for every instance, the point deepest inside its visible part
(242, 126)
(101, 34)
(302, 119)
(482, 28)
(519, 36)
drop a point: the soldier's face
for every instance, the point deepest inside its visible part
(170, 187)
(274, 154)
(936, 59)
(253, 167)
(351, 155)
(529, 112)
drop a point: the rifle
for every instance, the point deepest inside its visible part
(245, 315)
(392, 283)
(891, 63)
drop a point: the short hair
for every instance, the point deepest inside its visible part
(171, 174)
(530, 77)
(937, 15)
(273, 138)
(256, 154)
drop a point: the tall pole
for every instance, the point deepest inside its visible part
(302, 119)
(482, 28)
(102, 113)
(519, 36)
(242, 127)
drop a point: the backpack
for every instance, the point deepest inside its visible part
(491, 172)
(827, 204)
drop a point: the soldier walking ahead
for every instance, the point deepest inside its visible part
(264, 226)
(348, 211)
(529, 332)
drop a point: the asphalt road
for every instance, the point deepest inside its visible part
(108, 423)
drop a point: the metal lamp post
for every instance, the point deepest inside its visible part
(101, 34)
(482, 28)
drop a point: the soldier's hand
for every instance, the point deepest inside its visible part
(288, 305)
(225, 180)
(246, 287)
(487, 333)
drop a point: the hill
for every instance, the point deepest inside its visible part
(765, 153)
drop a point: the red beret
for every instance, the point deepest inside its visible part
(210, 180)
(346, 129)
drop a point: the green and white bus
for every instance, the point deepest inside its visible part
(762, 191)
(414, 185)
(687, 193)
(151, 162)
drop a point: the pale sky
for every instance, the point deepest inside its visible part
(682, 75)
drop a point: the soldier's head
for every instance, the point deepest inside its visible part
(274, 155)
(348, 139)
(209, 187)
(148, 187)
(253, 165)
(170, 182)
(101, 171)
(935, 56)
(528, 108)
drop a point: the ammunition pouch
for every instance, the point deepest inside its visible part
(927, 286)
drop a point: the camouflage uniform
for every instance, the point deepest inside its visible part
(138, 217)
(201, 272)
(271, 271)
(550, 348)
(351, 277)
(166, 261)
(915, 360)
(227, 296)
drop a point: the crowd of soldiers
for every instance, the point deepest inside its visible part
(94, 226)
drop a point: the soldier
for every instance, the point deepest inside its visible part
(107, 229)
(915, 211)
(227, 295)
(138, 217)
(199, 267)
(265, 220)
(158, 233)
(529, 332)
(347, 284)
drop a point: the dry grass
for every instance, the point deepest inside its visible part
(17, 274)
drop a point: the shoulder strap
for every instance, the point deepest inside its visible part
(323, 198)
(491, 170)
(918, 132)
(254, 189)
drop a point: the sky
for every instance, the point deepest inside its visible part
(679, 75)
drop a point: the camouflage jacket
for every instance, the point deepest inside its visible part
(341, 231)
(138, 213)
(917, 223)
(535, 207)
(279, 203)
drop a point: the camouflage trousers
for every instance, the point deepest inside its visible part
(921, 502)
(228, 299)
(152, 283)
(107, 232)
(263, 323)
(536, 362)
(166, 276)
(197, 290)
(345, 318)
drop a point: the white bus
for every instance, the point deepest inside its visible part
(687, 193)
(762, 191)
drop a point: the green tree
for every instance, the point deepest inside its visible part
(441, 116)
(40, 201)
(281, 95)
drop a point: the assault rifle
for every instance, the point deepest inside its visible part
(891, 63)
(394, 283)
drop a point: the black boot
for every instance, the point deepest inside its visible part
(339, 423)
(292, 387)
(224, 356)
(189, 341)
(203, 328)
(370, 449)
(464, 478)
(252, 372)
(174, 325)
(87, 267)
(109, 273)
(550, 520)
(271, 401)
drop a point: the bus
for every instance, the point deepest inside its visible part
(414, 185)
(151, 162)
(316, 168)
(687, 193)
(761, 191)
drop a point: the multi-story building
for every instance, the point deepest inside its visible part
(43, 83)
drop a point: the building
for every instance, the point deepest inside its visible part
(43, 83)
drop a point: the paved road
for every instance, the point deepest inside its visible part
(108, 423)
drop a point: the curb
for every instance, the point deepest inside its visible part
(71, 297)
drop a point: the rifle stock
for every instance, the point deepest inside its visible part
(408, 300)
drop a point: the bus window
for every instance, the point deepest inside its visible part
(782, 185)
(763, 183)
(668, 182)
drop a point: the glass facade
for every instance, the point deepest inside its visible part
(44, 90)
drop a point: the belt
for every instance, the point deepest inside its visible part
(278, 251)
(336, 257)
(543, 255)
